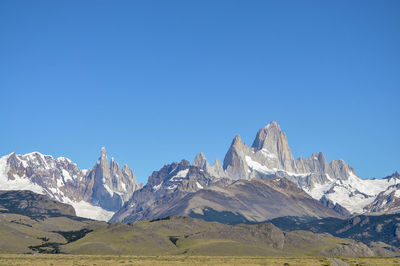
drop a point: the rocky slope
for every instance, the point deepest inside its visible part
(28, 203)
(95, 194)
(164, 192)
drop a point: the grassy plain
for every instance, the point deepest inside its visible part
(61, 260)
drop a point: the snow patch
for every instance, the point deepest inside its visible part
(109, 190)
(24, 163)
(199, 185)
(258, 167)
(173, 169)
(87, 210)
(172, 187)
(156, 188)
(59, 183)
(61, 159)
(181, 174)
(85, 171)
(66, 175)
(123, 186)
(268, 154)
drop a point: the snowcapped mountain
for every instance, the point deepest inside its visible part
(95, 194)
(164, 192)
(252, 183)
(270, 156)
(184, 189)
(387, 201)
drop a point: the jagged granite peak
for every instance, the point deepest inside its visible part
(111, 187)
(316, 163)
(231, 155)
(339, 169)
(270, 156)
(200, 160)
(214, 170)
(237, 140)
(234, 163)
(273, 142)
(264, 135)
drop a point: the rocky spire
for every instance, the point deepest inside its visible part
(232, 154)
(103, 163)
(216, 169)
(273, 142)
(315, 164)
(111, 185)
(200, 160)
(126, 171)
(265, 136)
(234, 164)
(339, 169)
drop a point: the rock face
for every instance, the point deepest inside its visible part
(95, 194)
(336, 207)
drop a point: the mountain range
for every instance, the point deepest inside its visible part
(253, 184)
(95, 193)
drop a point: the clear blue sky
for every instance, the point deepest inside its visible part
(159, 81)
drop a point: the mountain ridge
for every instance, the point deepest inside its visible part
(106, 189)
(270, 156)
(95, 193)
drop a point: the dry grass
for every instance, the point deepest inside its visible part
(61, 260)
